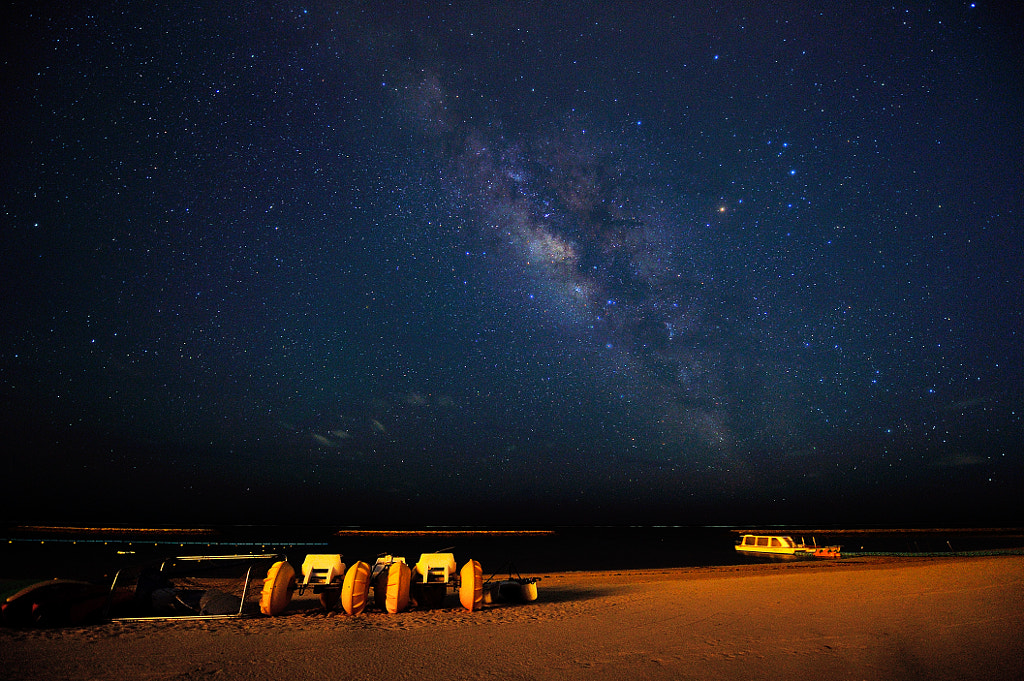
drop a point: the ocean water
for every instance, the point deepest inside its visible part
(96, 553)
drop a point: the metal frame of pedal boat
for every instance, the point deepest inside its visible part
(252, 559)
(501, 590)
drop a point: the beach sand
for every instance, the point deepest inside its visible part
(858, 618)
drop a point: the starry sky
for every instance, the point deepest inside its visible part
(366, 262)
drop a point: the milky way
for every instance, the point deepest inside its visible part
(608, 253)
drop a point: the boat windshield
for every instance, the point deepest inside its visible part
(788, 542)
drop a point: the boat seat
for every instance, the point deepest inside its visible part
(322, 568)
(435, 567)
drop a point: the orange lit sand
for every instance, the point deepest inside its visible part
(879, 618)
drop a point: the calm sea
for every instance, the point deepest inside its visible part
(95, 553)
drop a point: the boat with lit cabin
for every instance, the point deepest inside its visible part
(781, 547)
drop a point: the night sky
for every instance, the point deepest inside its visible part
(508, 263)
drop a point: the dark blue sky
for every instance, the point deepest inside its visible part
(347, 262)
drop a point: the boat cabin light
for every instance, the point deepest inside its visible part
(775, 542)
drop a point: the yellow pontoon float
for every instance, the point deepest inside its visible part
(395, 585)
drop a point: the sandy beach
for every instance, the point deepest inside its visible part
(860, 618)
